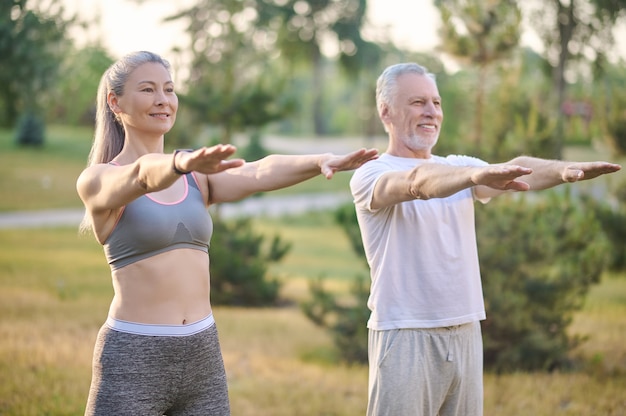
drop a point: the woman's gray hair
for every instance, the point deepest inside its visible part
(386, 86)
(109, 132)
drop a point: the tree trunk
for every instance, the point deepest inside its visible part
(566, 25)
(479, 104)
(319, 122)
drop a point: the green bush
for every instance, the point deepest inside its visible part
(613, 221)
(538, 260)
(30, 130)
(345, 216)
(255, 149)
(345, 321)
(239, 263)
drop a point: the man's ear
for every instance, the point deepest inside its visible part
(384, 113)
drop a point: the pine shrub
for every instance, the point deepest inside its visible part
(346, 320)
(30, 130)
(538, 260)
(239, 263)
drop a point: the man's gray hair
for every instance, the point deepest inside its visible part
(386, 86)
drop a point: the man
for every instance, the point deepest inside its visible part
(416, 215)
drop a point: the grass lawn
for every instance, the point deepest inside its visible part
(278, 362)
(43, 178)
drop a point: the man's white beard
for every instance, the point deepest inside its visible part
(417, 142)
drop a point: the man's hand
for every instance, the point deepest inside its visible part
(502, 177)
(587, 170)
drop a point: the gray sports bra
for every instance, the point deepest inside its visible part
(147, 227)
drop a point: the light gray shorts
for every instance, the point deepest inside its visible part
(426, 372)
(156, 370)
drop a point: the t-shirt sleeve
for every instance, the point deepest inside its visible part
(461, 160)
(363, 182)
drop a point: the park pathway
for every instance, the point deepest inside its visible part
(265, 205)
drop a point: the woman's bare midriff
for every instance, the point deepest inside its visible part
(171, 288)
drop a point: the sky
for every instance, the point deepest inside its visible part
(126, 26)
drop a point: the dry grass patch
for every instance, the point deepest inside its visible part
(278, 363)
(45, 353)
(602, 322)
(567, 394)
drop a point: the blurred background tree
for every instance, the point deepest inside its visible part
(73, 97)
(609, 93)
(302, 68)
(304, 28)
(233, 81)
(573, 32)
(479, 34)
(33, 44)
(522, 96)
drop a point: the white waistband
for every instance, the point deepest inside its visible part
(160, 330)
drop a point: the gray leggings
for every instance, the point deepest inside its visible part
(158, 375)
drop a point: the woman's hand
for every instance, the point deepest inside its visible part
(351, 161)
(208, 160)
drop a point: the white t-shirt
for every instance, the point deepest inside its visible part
(422, 253)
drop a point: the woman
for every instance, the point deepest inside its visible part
(158, 352)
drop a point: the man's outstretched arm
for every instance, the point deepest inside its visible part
(433, 180)
(550, 173)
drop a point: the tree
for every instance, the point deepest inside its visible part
(574, 30)
(82, 70)
(480, 33)
(32, 46)
(610, 82)
(304, 27)
(233, 82)
(521, 121)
